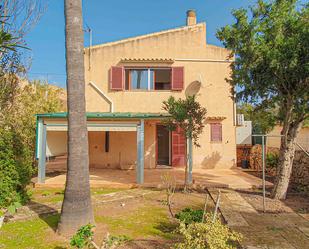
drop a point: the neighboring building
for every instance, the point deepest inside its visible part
(302, 138)
(243, 131)
(243, 141)
(126, 83)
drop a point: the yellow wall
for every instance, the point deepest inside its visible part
(302, 138)
(56, 144)
(182, 43)
(122, 149)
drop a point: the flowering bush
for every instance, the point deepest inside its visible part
(208, 235)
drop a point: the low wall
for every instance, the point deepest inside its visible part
(300, 170)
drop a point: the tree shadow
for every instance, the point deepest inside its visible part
(167, 227)
(211, 161)
(48, 214)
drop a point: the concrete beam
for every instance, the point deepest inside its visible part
(190, 160)
(140, 152)
(42, 153)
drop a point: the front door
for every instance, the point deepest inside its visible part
(163, 145)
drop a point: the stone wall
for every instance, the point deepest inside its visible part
(300, 171)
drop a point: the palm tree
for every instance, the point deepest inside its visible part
(76, 207)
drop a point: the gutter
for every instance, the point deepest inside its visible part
(110, 102)
(204, 60)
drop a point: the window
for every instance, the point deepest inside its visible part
(148, 79)
(216, 132)
(162, 79)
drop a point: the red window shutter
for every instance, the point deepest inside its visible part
(177, 78)
(216, 132)
(178, 148)
(116, 78)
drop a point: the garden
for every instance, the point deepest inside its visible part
(124, 218)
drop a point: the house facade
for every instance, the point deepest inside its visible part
(126, 83)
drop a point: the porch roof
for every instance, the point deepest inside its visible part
(116, 115)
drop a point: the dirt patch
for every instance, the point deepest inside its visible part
(147, 244)
(295, 202)
(121, 207)
(255, 198)
(299, 203)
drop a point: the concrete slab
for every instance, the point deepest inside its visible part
(223, 178)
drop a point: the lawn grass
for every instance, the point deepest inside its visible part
(104, 191)
(146, 221)
(34, 233)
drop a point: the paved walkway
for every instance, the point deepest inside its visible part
(283, 230)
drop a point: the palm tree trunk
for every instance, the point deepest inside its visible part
(76, 208)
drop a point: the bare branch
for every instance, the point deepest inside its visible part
(21, 15)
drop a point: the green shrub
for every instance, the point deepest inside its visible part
(83, 237)
(208, 235)
(272, 159)
(13, 207)
(15, 168)
(188, 215)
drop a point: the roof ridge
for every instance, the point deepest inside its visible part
(146, 35)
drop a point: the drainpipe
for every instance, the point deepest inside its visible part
(110, 102)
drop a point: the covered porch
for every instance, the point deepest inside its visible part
(116, 141)
(123, 152)
(117, 178)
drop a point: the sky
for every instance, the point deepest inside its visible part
(115, 20)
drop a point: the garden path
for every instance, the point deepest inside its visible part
(279, 227)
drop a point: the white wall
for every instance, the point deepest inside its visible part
(56, 143)
(243, 133)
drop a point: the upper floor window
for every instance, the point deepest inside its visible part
(148, 79)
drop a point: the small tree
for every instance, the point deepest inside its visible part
(271, 68)
(189, 116)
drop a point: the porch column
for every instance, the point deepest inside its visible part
(190, 161)
(140, 153)
(42, 151)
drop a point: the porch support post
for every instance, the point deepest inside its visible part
(42, 152)
(140, 153)
(190, 161)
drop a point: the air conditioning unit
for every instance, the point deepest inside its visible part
(240, 119)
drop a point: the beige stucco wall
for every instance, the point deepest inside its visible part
(56, 143)
(302, 138)
(122, 149)
(183, 43)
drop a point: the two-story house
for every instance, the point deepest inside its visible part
(126, 82)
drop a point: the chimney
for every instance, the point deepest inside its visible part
(191, 17)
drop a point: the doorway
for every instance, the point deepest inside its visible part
(163, 145)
